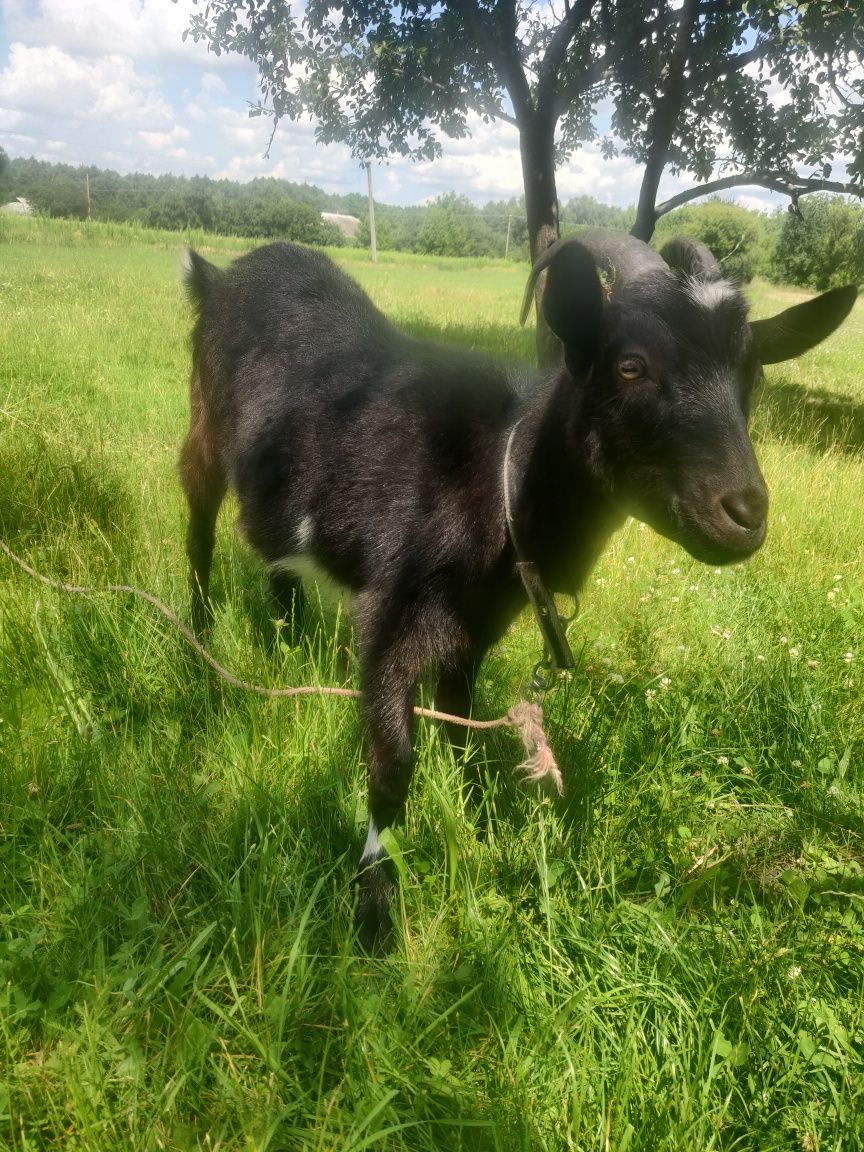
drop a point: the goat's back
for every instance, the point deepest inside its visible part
(324, 413)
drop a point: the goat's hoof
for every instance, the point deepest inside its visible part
(372, 920)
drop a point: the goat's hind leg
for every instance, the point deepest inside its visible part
(203, 480)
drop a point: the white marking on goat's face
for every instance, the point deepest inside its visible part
(710, 294)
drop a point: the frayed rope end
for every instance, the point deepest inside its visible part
(540, 766)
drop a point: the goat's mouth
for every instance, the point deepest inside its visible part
(721, 530)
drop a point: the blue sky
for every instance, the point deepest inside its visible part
(111, 83)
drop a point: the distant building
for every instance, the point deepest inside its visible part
(17, 207)
(347, 225)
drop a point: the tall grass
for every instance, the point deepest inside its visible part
(672, 957)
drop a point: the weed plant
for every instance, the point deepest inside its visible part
(672, 957)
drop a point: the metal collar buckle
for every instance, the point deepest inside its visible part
(557, 656)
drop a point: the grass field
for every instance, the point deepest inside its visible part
(670, 958)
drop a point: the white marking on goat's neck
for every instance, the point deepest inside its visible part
(372, 849)
(710, 293)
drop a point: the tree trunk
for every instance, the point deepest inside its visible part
(537, 148)
(667, 111)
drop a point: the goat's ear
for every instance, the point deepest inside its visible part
(789, 333)
(691, 258)
(572, 300)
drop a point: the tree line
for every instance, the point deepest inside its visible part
(818, 245)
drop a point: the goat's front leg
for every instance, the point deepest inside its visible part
(390, 673)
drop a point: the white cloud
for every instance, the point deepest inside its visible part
(46, 81)
(765, 202)
(111, 82)
(93, 28)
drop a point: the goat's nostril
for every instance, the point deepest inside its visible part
(747, 508)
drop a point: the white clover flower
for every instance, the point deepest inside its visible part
(665, 682)
(650, 694)
(793, 973)
(760, 659)
(796, 763)
(723, 760)
(794, 653)
(848, 657)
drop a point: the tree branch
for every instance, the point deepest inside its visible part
(738, 63)
(502, 51)
(477, 102)
(793, 187)
(556, 51)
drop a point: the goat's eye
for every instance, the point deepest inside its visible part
(631, 368)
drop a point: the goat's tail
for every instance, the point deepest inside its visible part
(199, 277)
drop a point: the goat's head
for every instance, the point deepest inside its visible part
(667, 359)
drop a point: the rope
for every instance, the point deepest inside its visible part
(525, 717)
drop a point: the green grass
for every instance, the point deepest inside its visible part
(670, 958)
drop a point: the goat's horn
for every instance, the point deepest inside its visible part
(619, 254)
(543, 262)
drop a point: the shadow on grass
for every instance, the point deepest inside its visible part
(815, 418)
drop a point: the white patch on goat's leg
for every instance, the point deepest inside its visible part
(373, 849)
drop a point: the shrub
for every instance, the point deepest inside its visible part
(739, 238)
(823, 247)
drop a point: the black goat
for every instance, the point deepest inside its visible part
(381, 457)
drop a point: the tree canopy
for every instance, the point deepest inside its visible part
(768, 92)
(694, 84)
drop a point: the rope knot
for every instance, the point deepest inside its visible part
(540, 766)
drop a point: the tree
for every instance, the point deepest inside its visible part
(822, 246)
(454, 227)
(689, 81)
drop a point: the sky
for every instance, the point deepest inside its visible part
(111, 83)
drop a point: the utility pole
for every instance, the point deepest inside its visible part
(507, 244)
(373, 242)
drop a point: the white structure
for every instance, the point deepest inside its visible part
(347, 225)
(17, 207)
